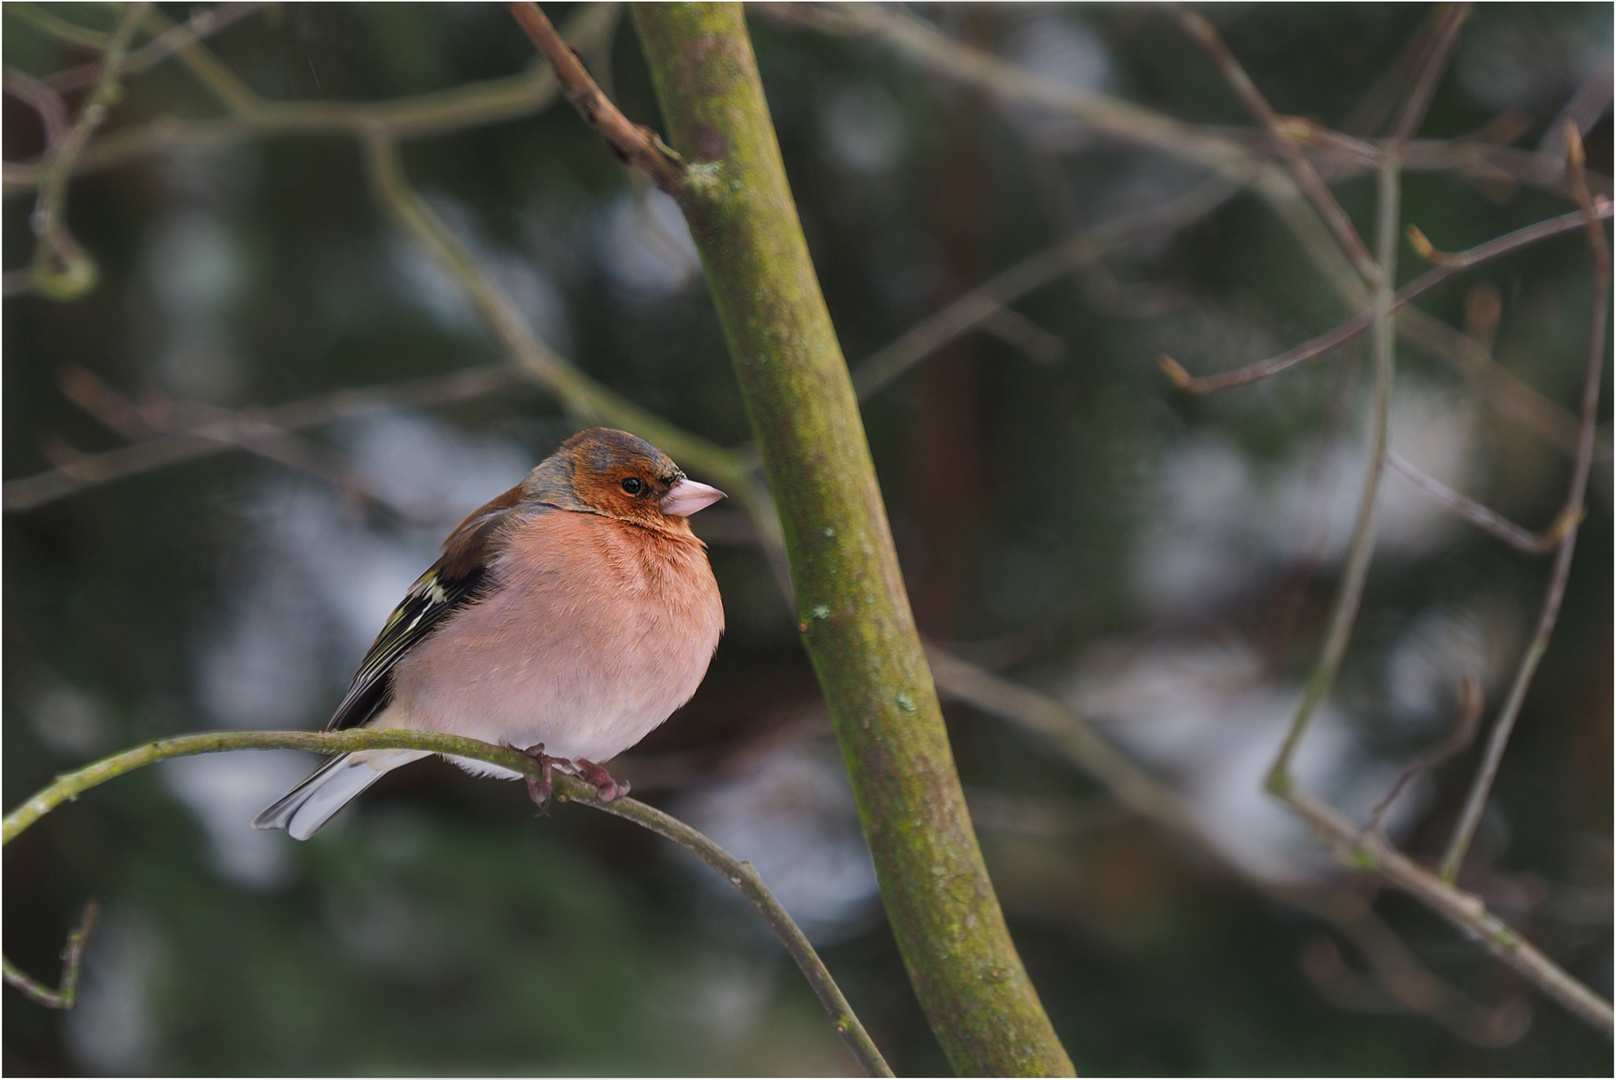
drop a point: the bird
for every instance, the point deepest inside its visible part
(566, 618)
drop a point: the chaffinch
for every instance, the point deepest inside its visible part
(567, 617)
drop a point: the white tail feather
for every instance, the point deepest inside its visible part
(307, 807)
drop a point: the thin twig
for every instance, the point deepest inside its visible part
(1100, 113)
(46, 102)
(1401, 984)
(1419, 99)
(936, 330)
(580, 395)
(1476, 801)
(1375, 106)
(1025, 336)
(634, 144)
(1150, 798)
(749, 884)
(174, 39)
(1307, 177)
(208, 69)
(1447, 267)
(66, 994)
(1360, 552)
(1522, 540)
(89, 470)
(1131, 785)
(1370, 850)
(70, 786)
(1501, 390)
(1583, 109)
(250, 433)
(61, 268)
(57, 27)
(441, 112)
(1471, 701)
(1486, 162)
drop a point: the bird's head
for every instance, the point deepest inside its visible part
(604, 471)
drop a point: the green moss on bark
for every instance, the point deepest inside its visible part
(853, 611)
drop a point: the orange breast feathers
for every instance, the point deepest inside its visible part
(594, 631)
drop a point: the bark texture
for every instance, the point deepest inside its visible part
(852, 608)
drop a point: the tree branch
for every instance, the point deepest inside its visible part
(90, 470)
(1549, 614)
(1527, 543)
(1355, 847)
(66, 995)
(70, 786)
(1436, 61)
(634, 144)
(438, 113)
(60, 268)
(1448, 266)
(1360, 552)
(169, 40)
(1204, 34)
(979, 304)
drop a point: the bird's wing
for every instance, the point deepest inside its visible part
(452, 584)
(433, 596)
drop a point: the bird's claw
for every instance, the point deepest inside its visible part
(606, 787)
(541, 789)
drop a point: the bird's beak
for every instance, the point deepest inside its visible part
(686, 497)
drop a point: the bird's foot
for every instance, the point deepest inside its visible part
(607, 788)
(541, 789)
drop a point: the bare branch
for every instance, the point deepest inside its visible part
(176, 38)
(1375, 106)
(982, 302)
(1500, 389)
(57, 27)
(162, 416)
(1307, 177)
(1357, 848)
(1582, 110)
(60, 268)
(1360, 551)
(1398, 983)
(46, 101)
(65, 996)
(634, 144)
(1448, 267)
(455, 109)
(1471, 701)
(1419, 99)
(89, 470)
(1528, 543)
(70, 786)
(1476, 801)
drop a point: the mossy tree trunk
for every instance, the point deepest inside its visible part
(852, 609)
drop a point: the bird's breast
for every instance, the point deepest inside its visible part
(590, 633)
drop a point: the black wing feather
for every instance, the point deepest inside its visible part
(433, 596)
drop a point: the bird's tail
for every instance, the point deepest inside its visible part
(307, 807)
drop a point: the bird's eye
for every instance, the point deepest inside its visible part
(632, 485)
